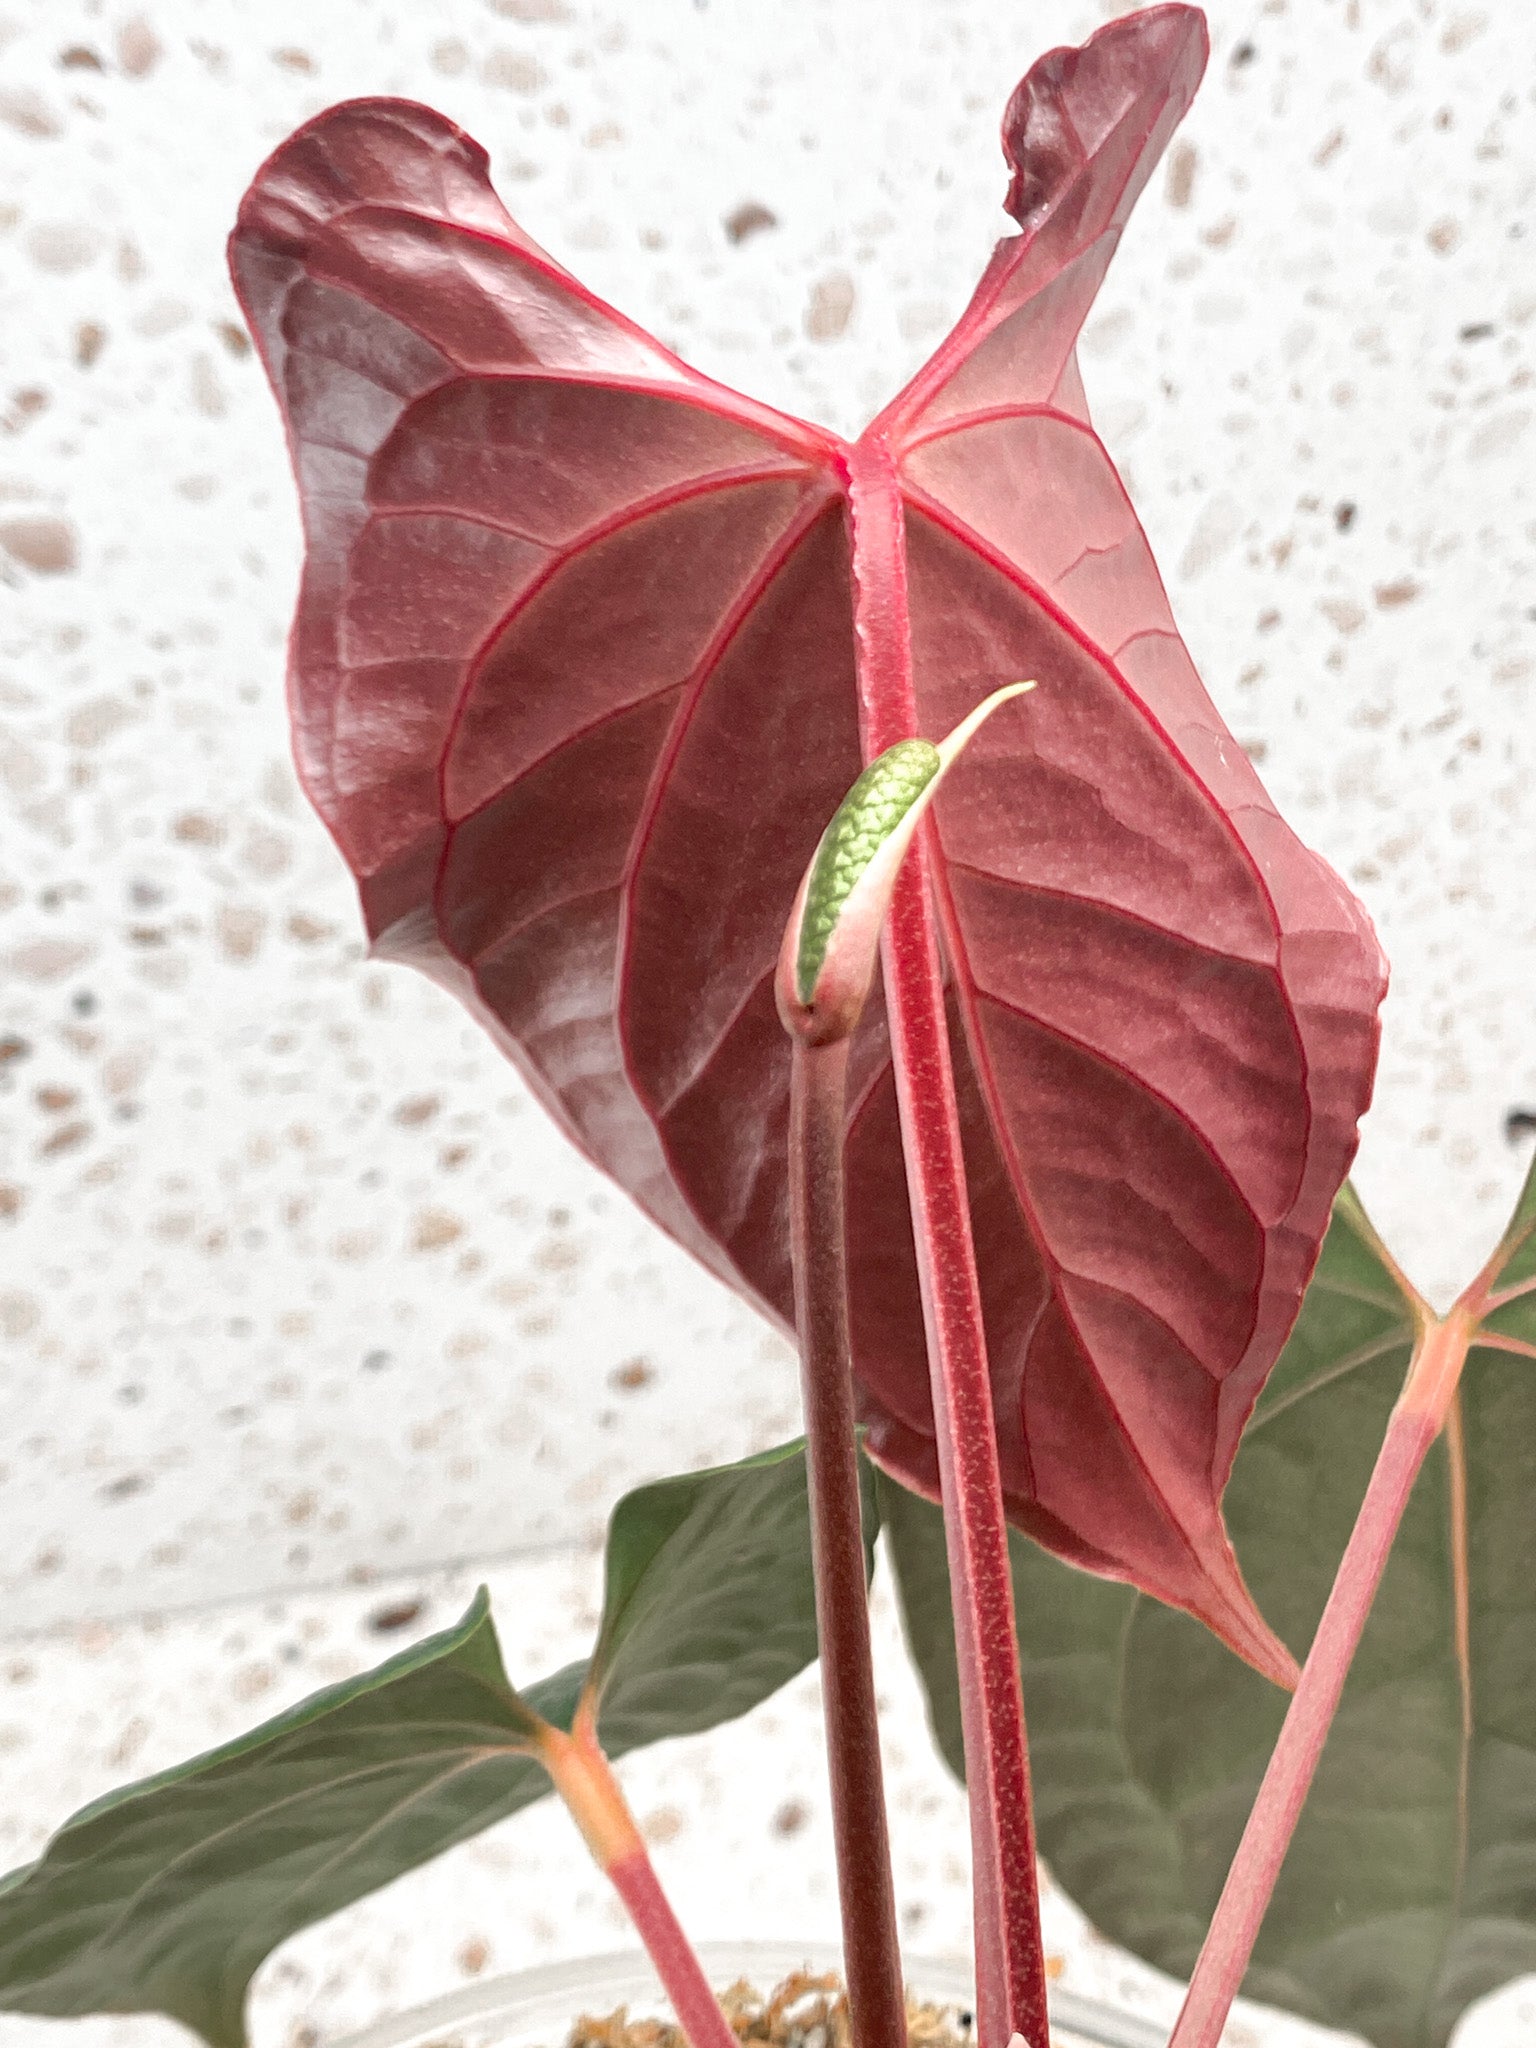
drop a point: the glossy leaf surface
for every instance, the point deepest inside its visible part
(166, 1896)
(573, 684)
(1410, 1888)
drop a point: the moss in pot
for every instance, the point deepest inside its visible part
(619, 2004)
(589, 650)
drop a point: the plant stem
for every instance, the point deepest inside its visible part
(866, 1895)
(1416, 1421)
(585, 1781)
(1010, 1964)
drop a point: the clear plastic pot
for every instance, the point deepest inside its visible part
(535, 2008)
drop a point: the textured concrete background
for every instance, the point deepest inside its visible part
(297, 1287)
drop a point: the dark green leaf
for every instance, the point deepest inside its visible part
(165, 1896)
(1410, 1888)
(710, 1603)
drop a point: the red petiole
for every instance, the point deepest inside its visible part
(1426, 1405)
(1010, 1965)
(585, 1781)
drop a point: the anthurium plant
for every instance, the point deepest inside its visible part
(1022, 1092)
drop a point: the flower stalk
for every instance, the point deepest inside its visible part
(826, 966)
(866, 1893)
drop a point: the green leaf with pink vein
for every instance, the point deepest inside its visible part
(1410, 1886)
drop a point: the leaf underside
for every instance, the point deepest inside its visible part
(1410, 1887)
(573, 687)
(167, 1895)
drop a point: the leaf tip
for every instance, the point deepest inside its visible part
(1229, 1610)
(1142, 68)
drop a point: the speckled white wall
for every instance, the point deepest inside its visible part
(296, 1282)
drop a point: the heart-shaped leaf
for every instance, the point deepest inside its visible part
(573, 685)
(709, 1603)
(1410, 1888)
(166, 1896)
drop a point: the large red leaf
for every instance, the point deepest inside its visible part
(573, 687)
